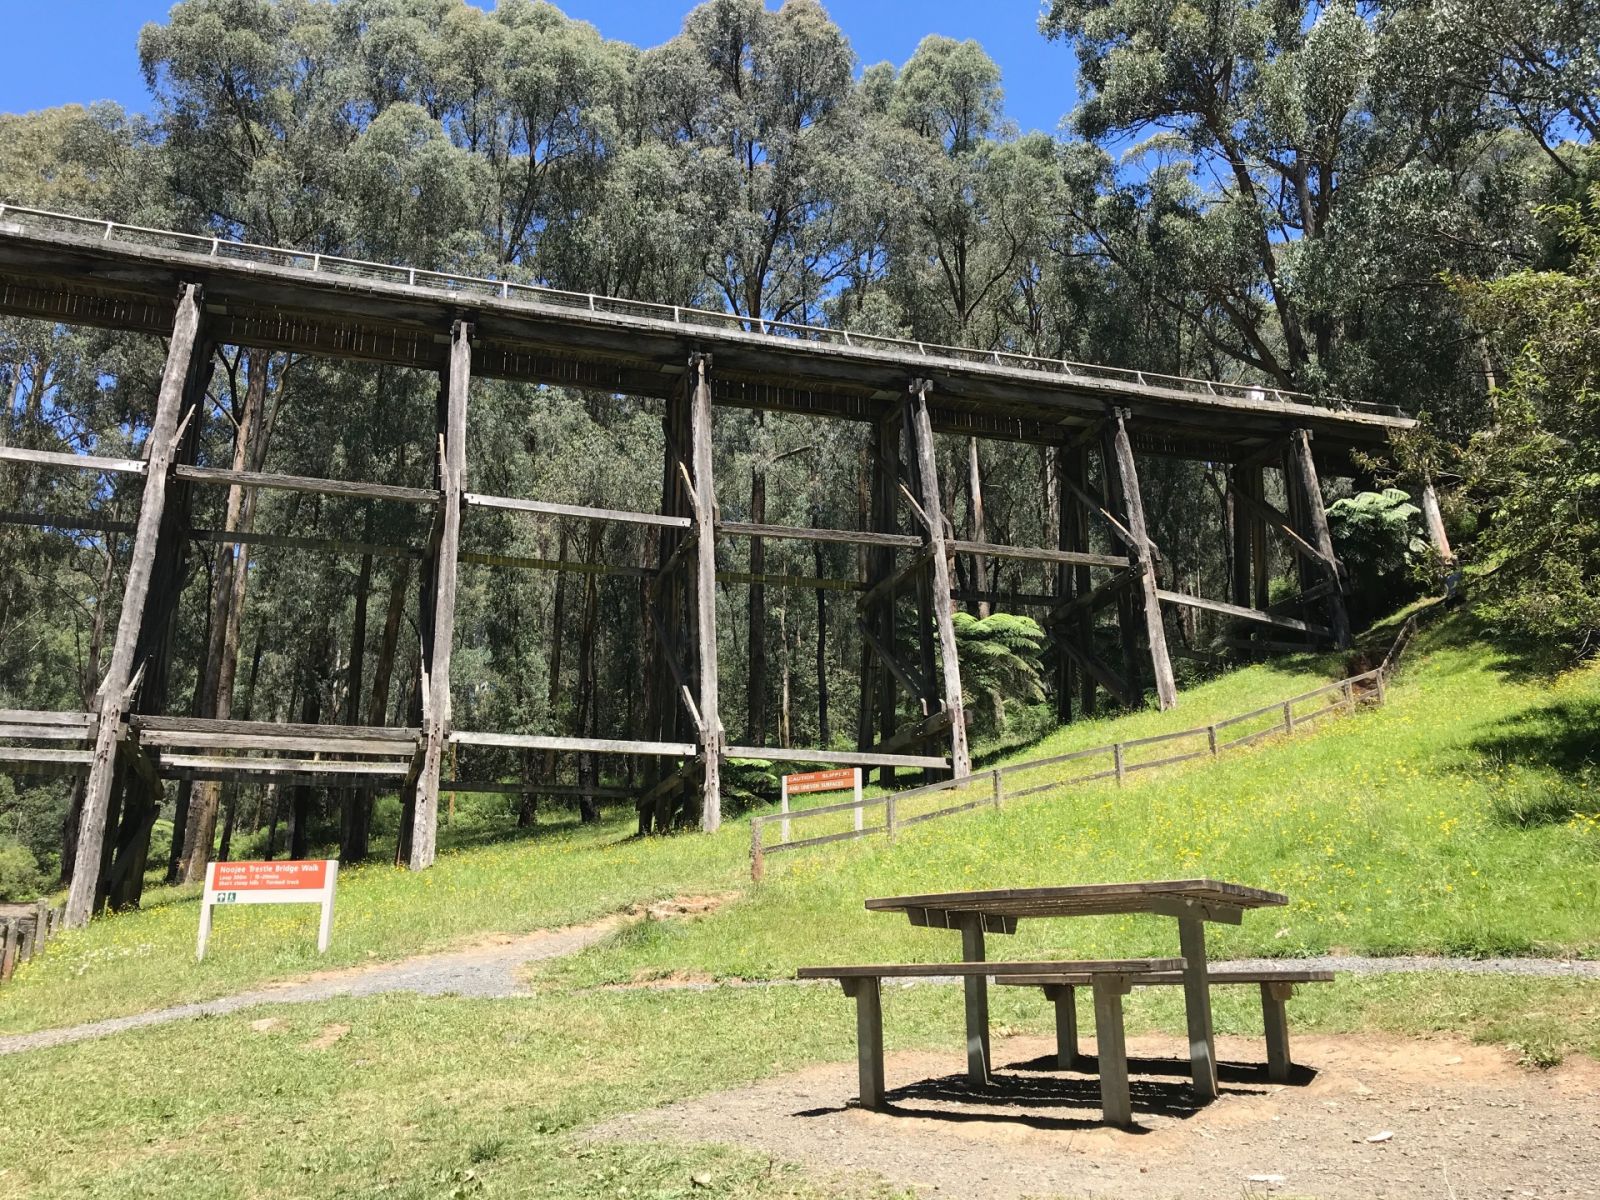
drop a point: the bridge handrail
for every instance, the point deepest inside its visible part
(505, 289)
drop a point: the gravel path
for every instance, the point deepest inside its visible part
(482, 972)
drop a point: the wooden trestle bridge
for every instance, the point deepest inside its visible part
(200, 292)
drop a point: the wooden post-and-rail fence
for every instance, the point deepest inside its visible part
(22, 935)
(989, 788)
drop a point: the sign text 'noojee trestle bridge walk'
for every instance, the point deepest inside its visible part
(309, 882)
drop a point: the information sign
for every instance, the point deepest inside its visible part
(309, 882)
(835, 780)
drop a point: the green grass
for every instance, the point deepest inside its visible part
(1463, 818)
(567, 874)
(442, 1097)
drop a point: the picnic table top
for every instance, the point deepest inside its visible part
(1083, 899)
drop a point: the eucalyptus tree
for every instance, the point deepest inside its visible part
(1299, 178)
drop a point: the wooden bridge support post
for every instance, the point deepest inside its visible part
(705, 592)
(437, 646)
(1120, 464)
(1309, 487)
(137, 794)
(176, 381)
(943, 614)
(1434, 519)
(1073, 480)
(877, 680)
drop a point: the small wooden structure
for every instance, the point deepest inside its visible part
(200, 292)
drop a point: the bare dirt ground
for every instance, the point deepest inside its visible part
(1462, 1121)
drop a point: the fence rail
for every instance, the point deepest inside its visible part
(24, 935)
(1369, 687)
(19, 220)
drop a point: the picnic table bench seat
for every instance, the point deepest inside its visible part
(1109, 979)
(1277, 986)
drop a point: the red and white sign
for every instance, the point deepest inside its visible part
(835, 780)
(309, 882)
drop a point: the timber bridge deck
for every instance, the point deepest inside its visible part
(200, 292)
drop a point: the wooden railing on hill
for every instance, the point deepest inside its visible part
(23, 934)
(1116, 760)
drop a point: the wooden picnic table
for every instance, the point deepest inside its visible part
(1192, 902)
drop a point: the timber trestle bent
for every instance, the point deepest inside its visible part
(201, 293)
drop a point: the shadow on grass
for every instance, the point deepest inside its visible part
(1518, 661)
(1561, 737)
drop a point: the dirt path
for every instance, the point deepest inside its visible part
(1461, 1121)
(491, 969)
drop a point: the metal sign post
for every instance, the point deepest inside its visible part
(308, 882)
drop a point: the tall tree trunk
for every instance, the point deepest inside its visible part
(785, 729)
(353, 840)
(756, 690)
(824, 732)
(980, 533)
(303, 795)
(558, 636)
(587, 700)
(254, 430)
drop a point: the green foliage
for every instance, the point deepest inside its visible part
(20, 878)
(1378, 538)
(1536, 469)
(1000, 659)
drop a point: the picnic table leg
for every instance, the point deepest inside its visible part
(869, 1038)
(977, 990)
(1111, 1045)
(1197, 1005)
(1065, 998)
(1276, 1019)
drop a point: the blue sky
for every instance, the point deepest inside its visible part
(62, 51)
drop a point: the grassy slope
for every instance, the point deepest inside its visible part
(1386, 828)
(1393, 830)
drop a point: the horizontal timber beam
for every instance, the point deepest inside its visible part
(843, 758)
(1073, 557)
(848, 537)
(527, 741)
(82, 462)
(300, 483)
(1244, 614)
(286, 766)
(272, 729)
(535, 788)
(546, 509)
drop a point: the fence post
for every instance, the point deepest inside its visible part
(783, 803)
(8, 948)
(858, 799)
(41, 925)
(758, 863)
(1383, 690)
(1349, 696)
(999, 789)
(1288, 716)
(1116, 756)
(1211, 739)
(888, 816)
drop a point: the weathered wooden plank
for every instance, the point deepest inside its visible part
(993, 970)
(1197, 1007)
(35, 716)
(441, 643)
(1035, 554)
(703, 495)
(298, 766)
(803, 582)
(842, 758)
(902, 674)
(869, 1040)
(45, 733)
(44, 757)
(84, 462)
(381, 747)
(847, 537)
(301, 483)
(184, 365)
(943, 615)
(1244, 614)
(1155, 628)
(1276, 1021)
(1282, 524)
(272, 729)
(1321, 535)
(532, 741)
(500, 788)
(1111, 1049)
(547, 509)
